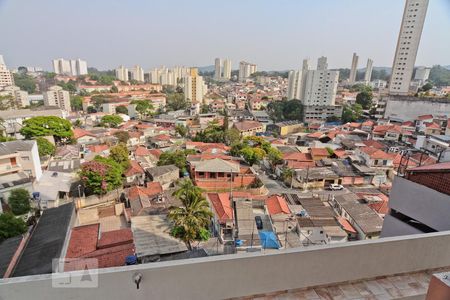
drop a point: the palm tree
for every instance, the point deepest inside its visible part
(192, 219)
(288, 174)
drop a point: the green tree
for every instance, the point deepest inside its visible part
(176, 101)
(191, 220)
(364, 98)
(76, 102)
(285, 110)
(426, 87)
(143, 107)
(59, 128)
(213, 133)
(287, 174)
(122, 110)
(19, 201)
(119, 154)
(25, 82)
(69, 86)
(440, 76)
(177, 158)
(232, 136)
(10, 226)
(122, 136)
(45, 148)
(351, 113)
(274, 156)
(111, 121)
(181, 130)
(7, 102)
(114, 89)
(101, 175)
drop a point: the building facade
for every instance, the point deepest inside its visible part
(122, 73)
(245, 70)
(6, 77)
(194, 88)
(19, 97)
(354, 69)
(137, 73)
(73, 67)
(56, 96)
(368, 73)
(407, 46)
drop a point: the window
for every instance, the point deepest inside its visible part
(24, 158)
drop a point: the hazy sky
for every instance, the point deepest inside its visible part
(275, 34)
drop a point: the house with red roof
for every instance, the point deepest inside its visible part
(298, 160)
(367, 126)
(135, 174)
(248, 128)
(108, 249)
(432, 128)
(374, 157)
(277, 205)
(144, 200)
(319, 153)
(421, 120)
(83, 136)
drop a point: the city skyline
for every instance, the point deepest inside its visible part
(287, 39)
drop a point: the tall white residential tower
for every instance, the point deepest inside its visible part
(407, 46)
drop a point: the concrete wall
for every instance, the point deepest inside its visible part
(409, 108)
(420, 203)
(394, 227)
(248, 274)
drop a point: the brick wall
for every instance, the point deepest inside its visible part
(438, 181)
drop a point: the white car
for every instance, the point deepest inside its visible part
(336, 187)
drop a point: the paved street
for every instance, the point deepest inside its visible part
(278, 187)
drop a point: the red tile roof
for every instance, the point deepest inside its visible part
(373, 144)
(134, 169)
(425, 117)
(277, 205)
(247, 125)
(297, 156)
(346, 225)
(432, 125)
(83, 240)
(98, 148)
(300, 164)
(78, 133)
(142, 151)
(377, 154)
(319, 152)
(152, 189)
(115, 238)
(435, 167)
(222, 206)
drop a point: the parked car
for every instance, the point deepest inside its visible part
(273, 176)
(335, 187)
(259, 222)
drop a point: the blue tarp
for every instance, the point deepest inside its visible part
(268, 240)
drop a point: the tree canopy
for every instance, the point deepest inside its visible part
(351, 113)
(59, 128)
(254, 148)
(111, 121)
(101, 175)
(122, 136)
(191, 220)
(25, 82)
(76, 102)
(45, 148)
(177, 158)
(19, 201)
(440, 76)
(176, 101)
(143, 107)
(285, 110)
(122, 110)
(181, 130)
(364, 98)
(119, 154)
(10, 226)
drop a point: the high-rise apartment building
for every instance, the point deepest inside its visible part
(20, 98)
(217, 69)
(305, 69)
(294, 84)
(166, 76)
(245, 70)
(194, 87)
(368, 73)
(137, 73)
(56, 96)
(73, 67)
(122, 73)
(422, 74)
(354, 69)
(226, 69)
(321, 85)
(6, 77)
(407, 46)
